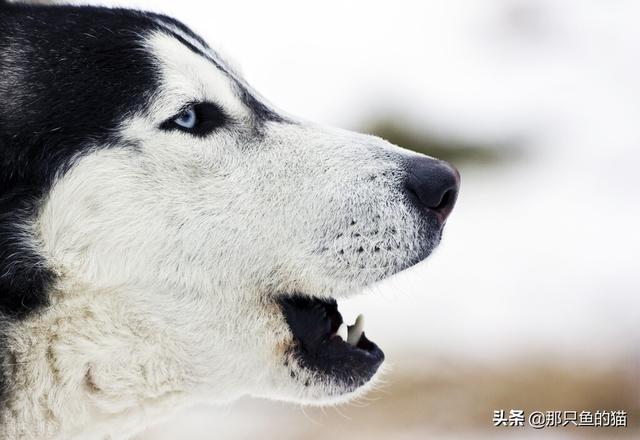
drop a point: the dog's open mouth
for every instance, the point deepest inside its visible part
(328, 346)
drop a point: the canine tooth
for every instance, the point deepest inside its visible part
(343, 332)
(355, 330)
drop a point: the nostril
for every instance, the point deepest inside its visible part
(446, 202)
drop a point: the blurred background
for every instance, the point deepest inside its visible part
(532, 301)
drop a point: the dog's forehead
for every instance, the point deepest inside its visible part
(184, 55)
(190, 71)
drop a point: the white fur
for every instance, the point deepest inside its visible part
(171, 249)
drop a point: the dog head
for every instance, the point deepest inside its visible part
(134, 158)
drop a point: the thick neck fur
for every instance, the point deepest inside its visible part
(90, 364)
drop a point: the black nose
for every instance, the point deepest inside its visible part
(432, 184)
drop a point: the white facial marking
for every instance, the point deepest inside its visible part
(189, 77)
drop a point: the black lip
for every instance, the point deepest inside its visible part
(313, 322)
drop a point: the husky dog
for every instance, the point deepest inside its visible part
(168, 237)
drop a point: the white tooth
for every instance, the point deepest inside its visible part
(355, 330)
(342, 331)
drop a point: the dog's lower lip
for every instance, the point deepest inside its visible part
(324, 344)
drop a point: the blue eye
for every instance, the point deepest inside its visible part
(187, 119)
(198, 119)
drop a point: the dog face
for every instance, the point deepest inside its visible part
(136, 159)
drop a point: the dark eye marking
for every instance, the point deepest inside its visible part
(199, 119)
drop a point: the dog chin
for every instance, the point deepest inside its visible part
(302, 385)
(330, 393)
